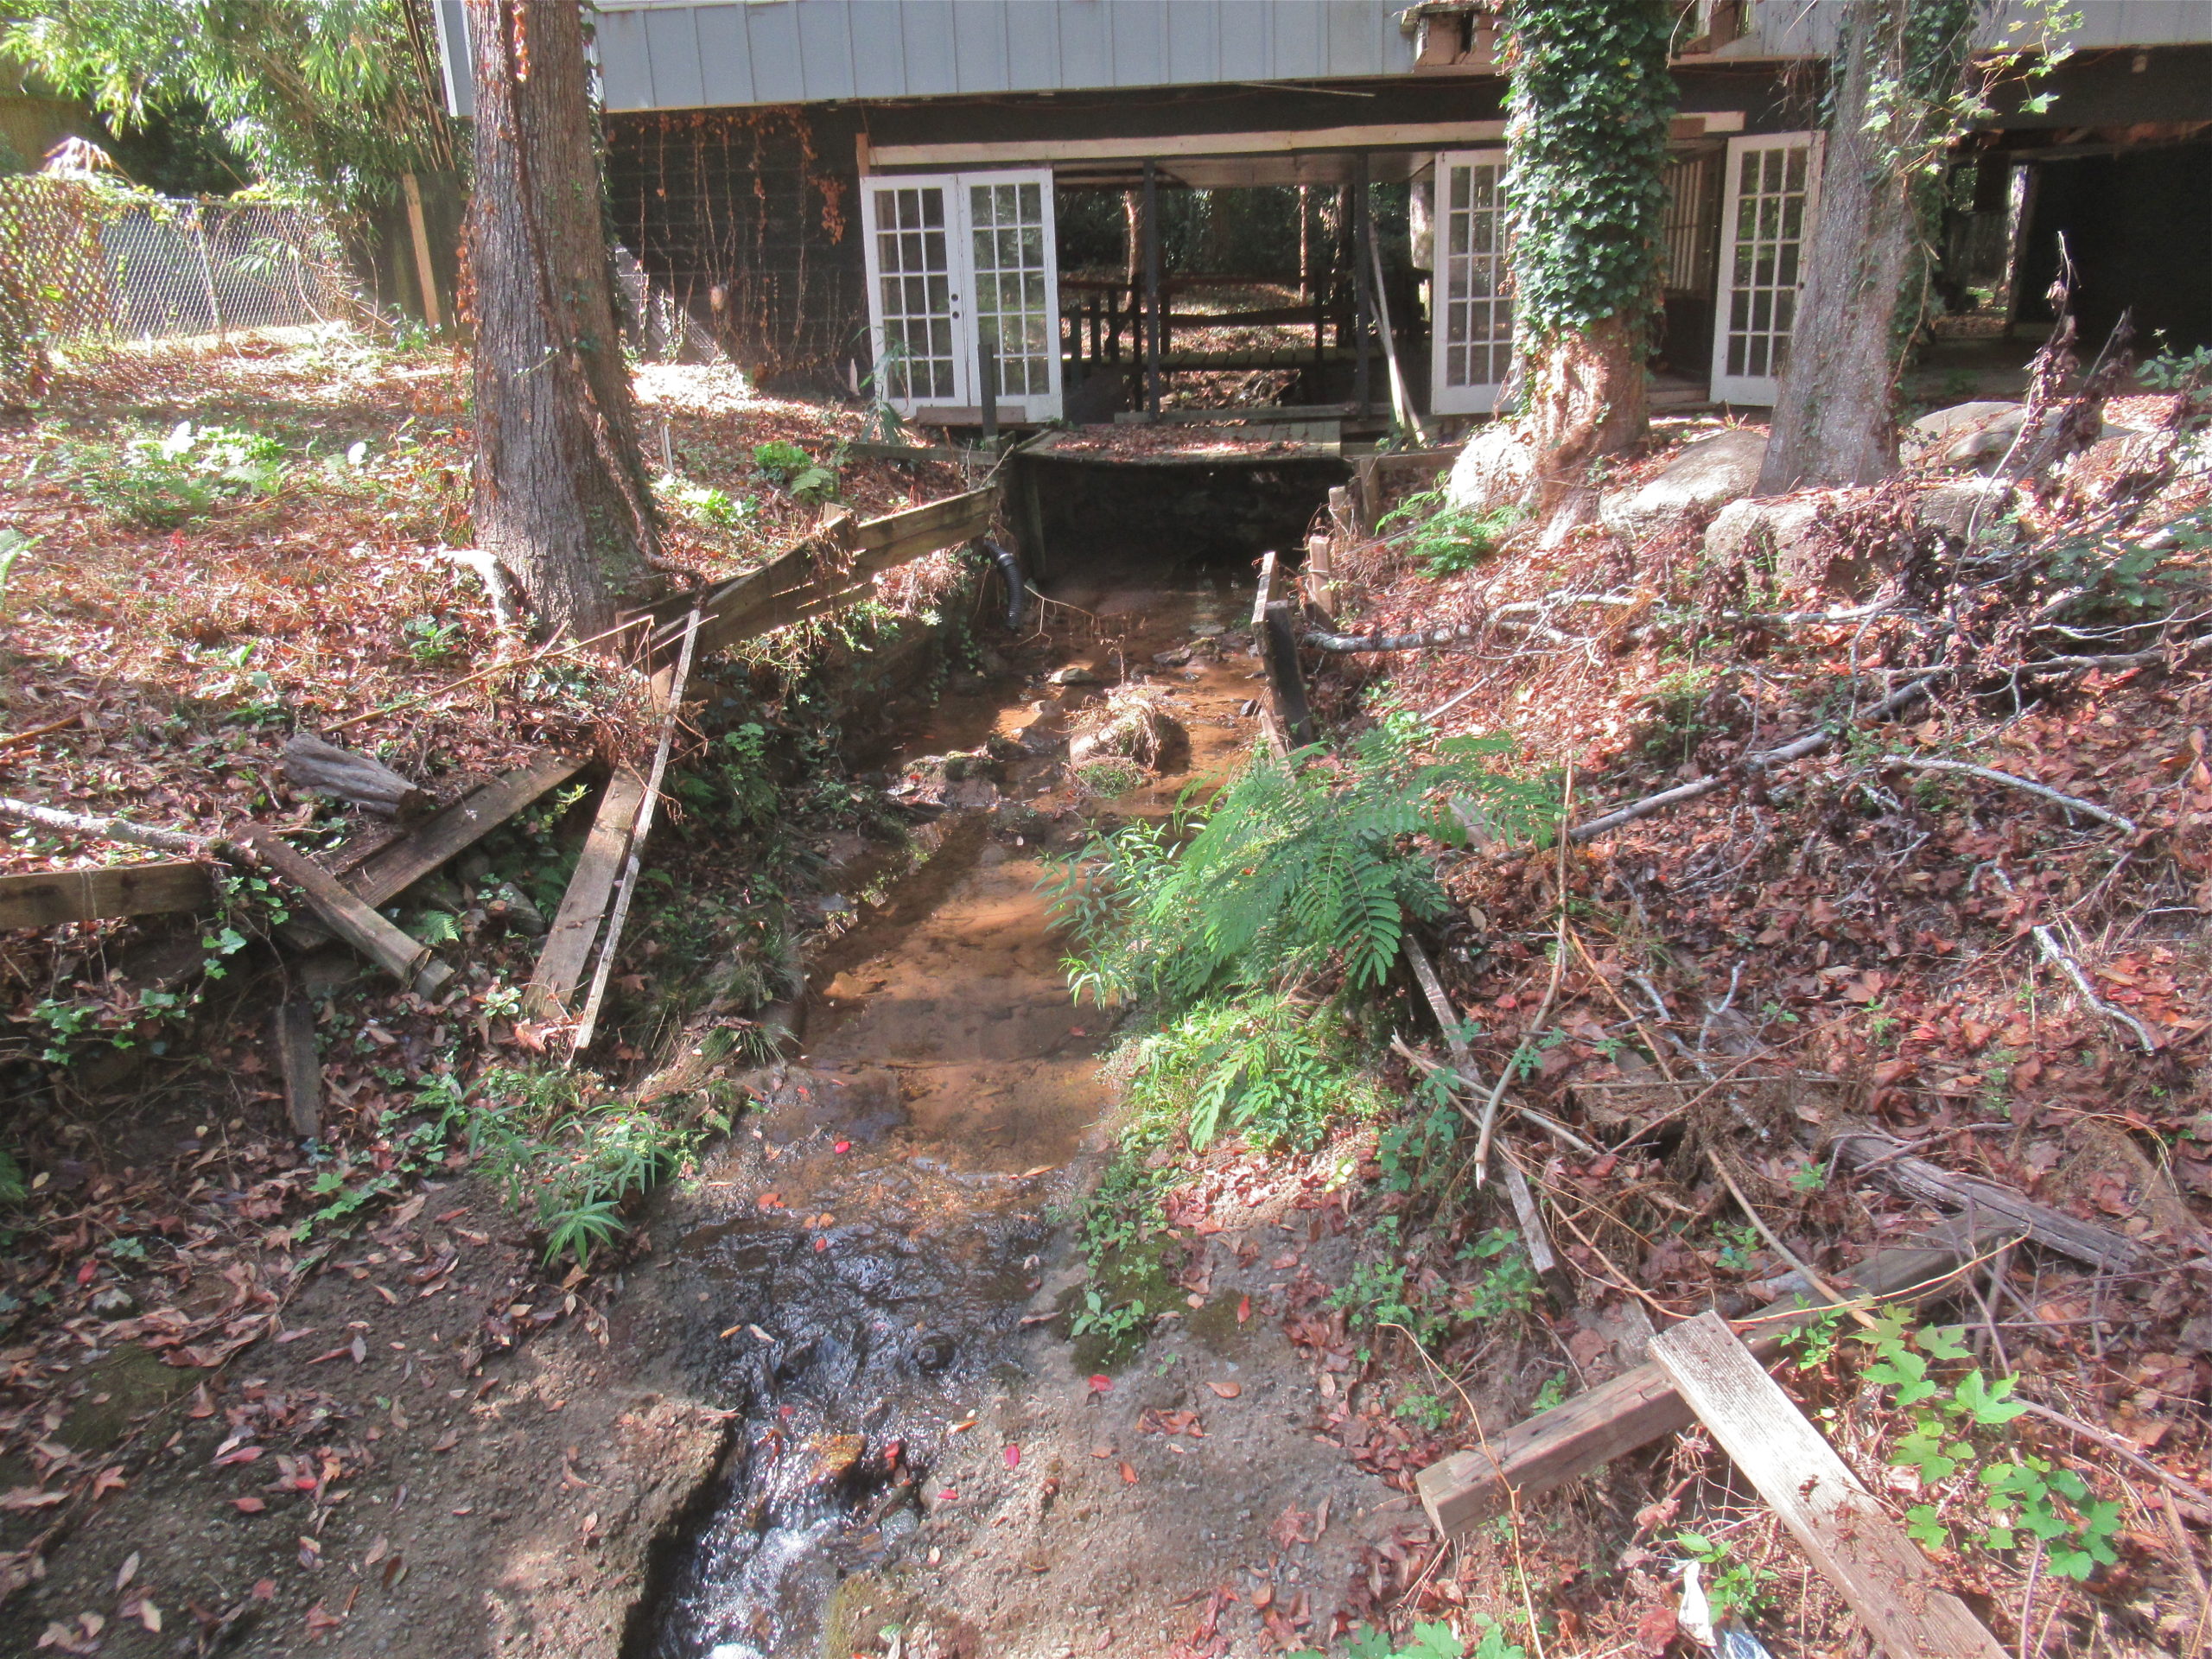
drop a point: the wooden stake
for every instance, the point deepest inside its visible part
(48, 898)
(301, 1065)
(1889, 1583)
(425, 272)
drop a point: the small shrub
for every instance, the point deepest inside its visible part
(163, 483)
(1275, 1069)
(1448, 541)
(784, 463)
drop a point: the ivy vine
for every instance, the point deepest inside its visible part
(1590, 99)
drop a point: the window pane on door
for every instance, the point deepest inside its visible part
(1007, 221)
(915, 290)
(1475, 317)
(1773, 183)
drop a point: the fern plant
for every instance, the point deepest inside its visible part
(1303, 865)
(1272, 1066)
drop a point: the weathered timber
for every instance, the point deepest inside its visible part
(2084, 1241)
(452, 829)
(668, 693)
(1881, 1573)
(1639, 1406)
(363, 779)
(584, 906)
(298, 1063)
(1535, 1237)
(352, 920)
(1278, 645)
(819, 573)
(48, 898)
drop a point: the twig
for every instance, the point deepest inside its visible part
(1552, 1127)
(70, 719)
(1536, 1026)
(1812, 743)
(2119, 1448)
(2048, 942)
(1990, 775)
(2028, 1596)
(1782, 1250)
(547, 655)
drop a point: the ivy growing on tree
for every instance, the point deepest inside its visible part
(1590, 103)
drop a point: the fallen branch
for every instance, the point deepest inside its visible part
(116, 830)
(1489, 1124)
(2048, 942)
(2100, 1247)
(1990, 775)
(1812, 743)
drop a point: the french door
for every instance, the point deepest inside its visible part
(1773, 185)
(1473, 329)
(956, 262)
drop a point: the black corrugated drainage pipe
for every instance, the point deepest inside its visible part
(1017, 585)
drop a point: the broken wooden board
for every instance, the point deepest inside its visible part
(452, 829)
(584, 906)
(1637, 1407)
(396, 863)
(300, 1064)
(48, 898)
(357, 923)
(819, 574)
(1891, 1586)
(2084, 1241)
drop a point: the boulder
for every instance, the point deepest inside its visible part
(1495, 470)
(1973, 436)
(1959, 507)
(1707, 474)
(1774, 532)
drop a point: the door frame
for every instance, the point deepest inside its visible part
(1757, 390)
(1443, 398)
(964, 407)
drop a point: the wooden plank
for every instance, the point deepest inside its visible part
(451, 830)
(1278, 646)
(1005, 152)
(348, 917)
(866, 451)
(48, 898)
(300, 1064)
(2084, 1241)
(575, 924)
(1893, 1587)
(669, 694)
(1638, 1407)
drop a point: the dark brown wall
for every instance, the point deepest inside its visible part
(763, 204)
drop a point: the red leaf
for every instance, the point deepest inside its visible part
(1102, 1385)
(842, 1146)
(1012, 1455)
(1243, 1309)
(249, 1505)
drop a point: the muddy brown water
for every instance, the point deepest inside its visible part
(865, 1249)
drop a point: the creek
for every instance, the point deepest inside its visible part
(866, 1246)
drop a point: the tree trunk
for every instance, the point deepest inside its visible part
(1591, 98)
(562, 498)
(1584, 394)
(1897, 69)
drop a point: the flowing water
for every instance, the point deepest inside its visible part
(870, 1240)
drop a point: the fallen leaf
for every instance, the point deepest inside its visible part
(1128, 1476)
(376, 1551)
(1012, 1455)
(1227, 1390)
(29, 1498)
(1102, 1385)
(842, 1146)
(448, 1440)
(360, 1350)
(127, 1572)
(105, 1481)
(1243, 1309)
(148, 1615)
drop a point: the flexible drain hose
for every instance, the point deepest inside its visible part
(1017, 585)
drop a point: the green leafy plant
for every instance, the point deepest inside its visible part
(1446, 540)
(1730, 1585)
(784, 463)
(430, 640)
(1429, 1641)
(1303, 863)
(161, 483)
(1951, 1430)
(707, 503)
(1277, 1069)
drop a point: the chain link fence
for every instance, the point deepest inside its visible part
(83, 263)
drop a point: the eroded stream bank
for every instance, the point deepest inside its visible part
(867, 1273)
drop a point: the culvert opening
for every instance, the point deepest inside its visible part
(1180, 511)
